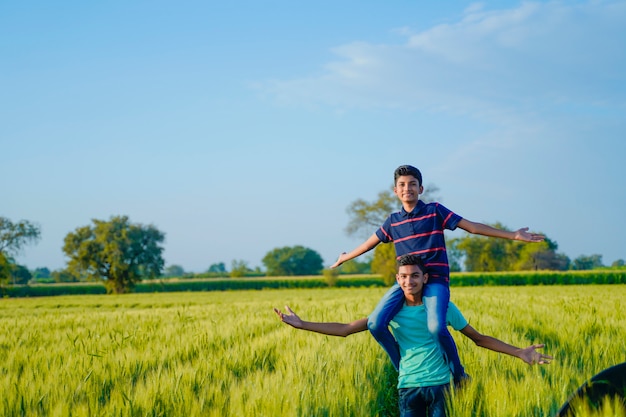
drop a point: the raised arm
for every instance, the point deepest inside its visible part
(331, 329)
(486, 230)
(528, 355)
(366, 246)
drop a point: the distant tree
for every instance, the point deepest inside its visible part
(488, 254)
(117, 252)
(13, 237)
(63, 275)
(217, 269)
(12, 273)
(174, 271)
(540, 256)
(587, 262)
(20, 275)
(455, 255)
(239, 269)
(483, 253)
(41, 273)
(384, 262)
(294, 260)
(354, 266)
(618, 263)
(6, 266)
(552, 261)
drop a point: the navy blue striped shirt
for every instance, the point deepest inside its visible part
(420, 232)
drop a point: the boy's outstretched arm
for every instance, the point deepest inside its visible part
(368, 245)
(486, 230)
(331, 329)
(528, 355)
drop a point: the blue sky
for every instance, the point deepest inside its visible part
(239, 127)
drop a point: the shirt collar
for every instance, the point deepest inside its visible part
(414, 212)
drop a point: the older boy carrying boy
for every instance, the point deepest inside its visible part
(423, 375)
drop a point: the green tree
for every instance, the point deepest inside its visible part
(540, 256)
(6, 266)
(455, 255)
(41, 273)
(11, 272)
(239, 268)
(384, 262)
(354, 266)
(584, 262)
(63, 275)
(13, 237)
(218, 269)
(483, 253)
(174, 271)
(294, 260)
(20, 275)
(618, 263)
(117, 252)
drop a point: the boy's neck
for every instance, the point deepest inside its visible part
(409, 207)
(414, 300)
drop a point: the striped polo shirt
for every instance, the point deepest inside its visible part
(420, 232)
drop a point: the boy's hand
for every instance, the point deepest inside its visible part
(291, 319)
(532, 357)
(522, 234)
(340, 260)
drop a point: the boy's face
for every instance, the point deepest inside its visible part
(408, 189)
(411, 279)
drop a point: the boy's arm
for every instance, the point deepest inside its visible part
(331, 329)
(368, 245)
(528, 355)
(486, 230)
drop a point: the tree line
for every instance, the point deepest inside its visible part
(120, 253)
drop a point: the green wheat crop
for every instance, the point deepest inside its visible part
(227, 354)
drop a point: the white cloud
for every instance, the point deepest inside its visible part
(493, 64)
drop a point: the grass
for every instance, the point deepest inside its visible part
(226, 354)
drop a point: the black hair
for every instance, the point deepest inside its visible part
(410, 259)
(407, 170)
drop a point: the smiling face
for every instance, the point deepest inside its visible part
(408, 189)
(412, 280)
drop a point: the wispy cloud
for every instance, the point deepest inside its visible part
(490, 64)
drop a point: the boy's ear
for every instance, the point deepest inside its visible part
(425, 277)
(421, 189)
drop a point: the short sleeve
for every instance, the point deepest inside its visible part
(449, 219)
(455, 318)
(384, 232)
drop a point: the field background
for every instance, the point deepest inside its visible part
(227, 354)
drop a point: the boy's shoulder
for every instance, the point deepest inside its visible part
(427, 207)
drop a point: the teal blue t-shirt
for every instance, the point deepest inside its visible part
(421, 358)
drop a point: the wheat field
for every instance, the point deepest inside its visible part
(227, 354)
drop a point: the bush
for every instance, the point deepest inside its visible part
(331, 276)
